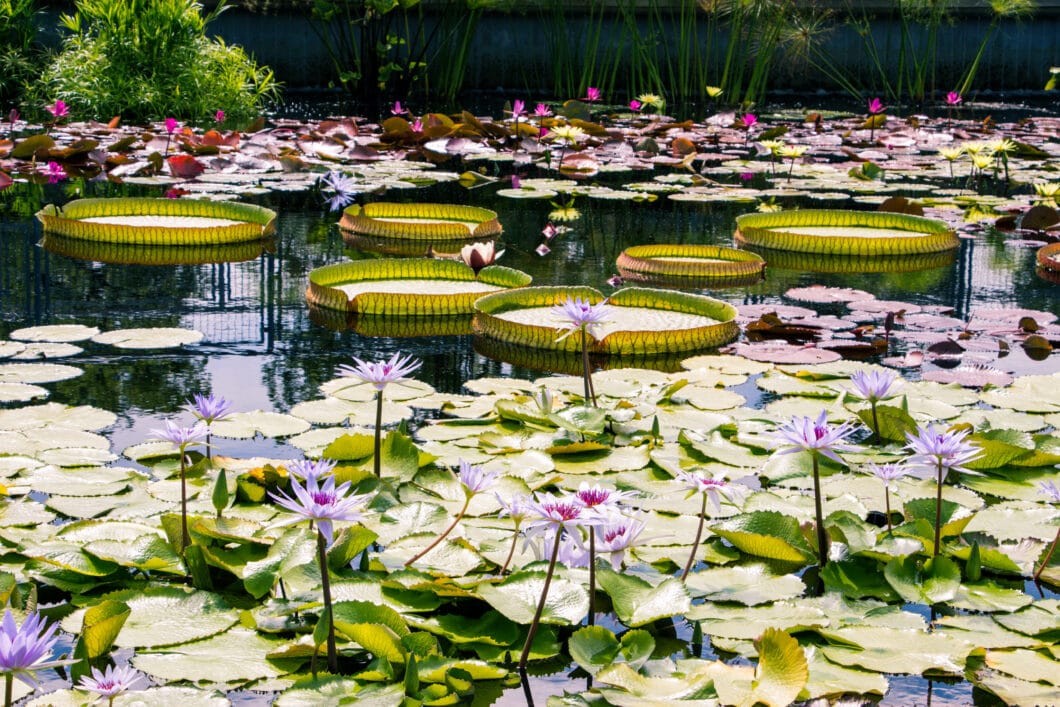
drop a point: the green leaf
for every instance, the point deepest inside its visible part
(593, 647)
(746, 584)
(637, 602)
(766, 534)
(954, 516)
(363, 612)
(934, 581)
(782, 670)
(351, 448)
(400, 457)
(232, 657)
(379, 640)
(163, 616)
(99, 628)
(894, 422)
(858, 578)
(580, 419)
(517, 598)
(220, 496)
(1000, 447)
(295, 549)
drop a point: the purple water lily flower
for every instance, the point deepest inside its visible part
(581, 314)
(801, 434)
(935, 453)
(315, 468)
(342, 188)
(208, 408)
(380, 373)
(321, 503)
(876, 384)
(113, 681)
(24, 649)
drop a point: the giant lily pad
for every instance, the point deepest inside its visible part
(425, 223)
(147, 221)
(407, 288)
(149, 254)
(645, 322)
(670, 265)
(839, 232)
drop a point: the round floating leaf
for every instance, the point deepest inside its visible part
(245, 425)
(166, 696)
(82, 417)
(154, 338)
(839, 232)
(925, 581)
(750, 585)
(327, 692)
(637, 602)
(517, 598)
(165, 616)
(782, 669)
(156, 221)
(766, 534)
(36, 372)
(55, 333)
(20, 392)
(232, 657)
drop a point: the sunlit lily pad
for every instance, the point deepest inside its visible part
(30, 373)
(845, 232)
(245, 425)
(233, 657)
(21, 392)
(155, 338)
(55, 333)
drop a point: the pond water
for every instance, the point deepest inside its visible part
(262, 350)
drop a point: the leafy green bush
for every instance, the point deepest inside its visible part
(19, 50)
(147, 59)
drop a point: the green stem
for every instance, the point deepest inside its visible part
(378, 461)
(592, 575)
(444, 533)
(511, 550)
(541, 604)
(185, 539)
(9, 684)
(875, 425)
(887, 505)
(322, 555)
(938, 511)
(695, 543)
(1048, 556)
(822, 537)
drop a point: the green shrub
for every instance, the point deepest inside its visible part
(19, 49)
(148, 59)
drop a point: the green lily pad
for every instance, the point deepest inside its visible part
(888, 650)
(81, 417)
(518, 595)
(30, 373)
(167, 616)
(245, 425)
(749, 622)
(637, 602)
(55, 333)
(1031, 666)
(327, 692)
(166, 696)
(152, 338)
(766, 534)
(21, 392)
(233, 657)
(747, 584)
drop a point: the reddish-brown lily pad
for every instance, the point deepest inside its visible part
(970, 376)
(826, 295)
(779, 352)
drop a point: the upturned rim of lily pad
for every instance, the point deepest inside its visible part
(852, 264)
(626, 342)
(776, 231)
(1048, 257)
(421, 222)
(249, 222)
(145, 254)
(684, 265)
(324, 284)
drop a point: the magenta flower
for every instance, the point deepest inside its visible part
(380, 373)
(746, 176)
(316, 468)
(321, 503)
(617, 535)
(113, 681)
(417, 126)
(592, 94)
(953, 99)
(342, 188)
(749, 120)
(171, 125)
(615, 281)
(635, 104)
(801, 434)
(542, 250)
(601, 498)
(59, 109)
(516, 183)
(479, 255)
(581, 315)
(208, 408)
(549, 231)
(24, 649)
(876, 106)
(219, 116)
(56, 173)
(542, 110)
(398, 109)
(518, 108)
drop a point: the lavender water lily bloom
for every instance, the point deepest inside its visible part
(183, 437)
(208, 408)
(475, 479)
(581, 314)
(802, 434)
(935, 453)
(25, 649)
(341, 188)
(113, 681)
(379, 374)
(324, 503)
(315, 468)
(876, 385)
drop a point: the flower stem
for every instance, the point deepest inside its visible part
(1048, 556)
(938, 511)
(441, 536)
(9, 684)
(322, 555)
(511, 550)
(185, 539)
(378, 462)
(822, 537)
(875, 426)
(695, 543)
(541, 604)
(887, 505)
(585, 368)
(592, 576)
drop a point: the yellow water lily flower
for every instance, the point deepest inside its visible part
(714, 91)
(651, 99)
(569, 133)
(951, 153)
(792, 151)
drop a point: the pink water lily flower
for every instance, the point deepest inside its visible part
(56, 173)
(321, 503)
(592, 94)
(953, 99)
(749, 120)
(380, 373)
(219, 116)
(635, 104)
(171, 125)
(518, 108)
(542, 111)
(876, 106)
(478, 255)
(802, 434)
(59, 109)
